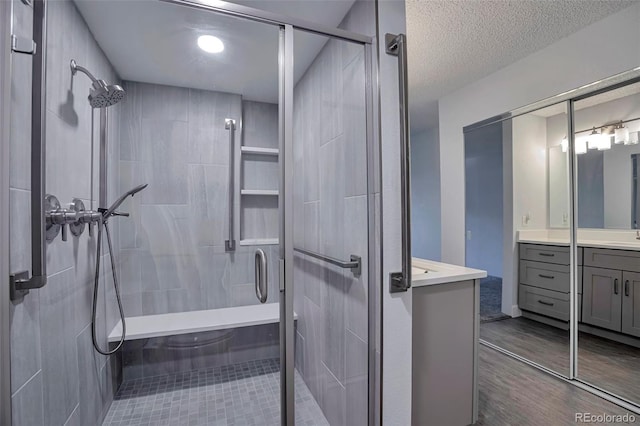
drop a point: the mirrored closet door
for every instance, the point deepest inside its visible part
(517, 218)
(607, 147)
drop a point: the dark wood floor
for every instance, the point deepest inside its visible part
(601, 362)
(513, 393)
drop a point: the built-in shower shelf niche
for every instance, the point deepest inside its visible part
(259, 192)
(255, 150)
(259, 175)
(260, 242)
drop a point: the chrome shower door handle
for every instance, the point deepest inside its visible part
(261, 275)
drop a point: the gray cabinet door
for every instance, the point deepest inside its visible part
(602, 298)
(631, 303)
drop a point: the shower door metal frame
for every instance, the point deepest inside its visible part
(287, 26)
(5, 318)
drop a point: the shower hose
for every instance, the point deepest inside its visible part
(103, 223)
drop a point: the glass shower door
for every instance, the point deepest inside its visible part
(327, 221)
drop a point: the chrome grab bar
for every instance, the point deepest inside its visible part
(396, 45)
(21, 282)
(230, 125)
(261, 276)
(355, 264)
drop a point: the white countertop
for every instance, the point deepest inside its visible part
(598, 238)
(429, 272)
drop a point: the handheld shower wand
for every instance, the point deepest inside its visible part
(102, 96)
(106, 214)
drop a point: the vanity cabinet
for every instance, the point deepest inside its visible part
(544, 281)
(602, 298)
(631, 303)
(612, 290)
(608, 294)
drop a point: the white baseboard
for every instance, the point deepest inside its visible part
(515, 311)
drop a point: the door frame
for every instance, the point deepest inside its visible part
(5, 316)
(285, 204)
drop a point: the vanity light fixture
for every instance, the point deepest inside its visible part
(210, 44)
(621, 133)
(634, 139)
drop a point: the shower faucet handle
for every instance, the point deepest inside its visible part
(124, 214)
(58, 218)
(85, 217)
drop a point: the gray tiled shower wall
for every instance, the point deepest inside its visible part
(172, 249)
(57, 377)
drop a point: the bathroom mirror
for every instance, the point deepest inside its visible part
(608, 350)
(635, 193)
(607, 139)
(512, 167)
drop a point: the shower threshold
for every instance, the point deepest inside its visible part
(241, 394)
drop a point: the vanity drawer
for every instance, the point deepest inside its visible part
(624, 260)
(544, 253)
(545, 275)
(545, 302)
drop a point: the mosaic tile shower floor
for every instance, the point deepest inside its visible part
(241, 394)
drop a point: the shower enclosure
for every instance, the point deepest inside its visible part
(246, 267)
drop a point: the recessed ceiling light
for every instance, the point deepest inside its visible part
(210, 44)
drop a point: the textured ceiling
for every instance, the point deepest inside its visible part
(452, 43)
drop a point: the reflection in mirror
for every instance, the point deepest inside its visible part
(609, 298)
(635, 194)
(558, 187)
(517, 179)
(606, 135)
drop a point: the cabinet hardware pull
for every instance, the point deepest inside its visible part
(545, 303)
(549, 277)
(547, 254)
(626, 288)
(615, 286)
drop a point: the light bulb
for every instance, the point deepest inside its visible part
(622, 134)
(210, 44)
(581, 145)
(605, 143)
(594, 139)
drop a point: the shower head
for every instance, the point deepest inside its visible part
(111, 210)
(101, 94)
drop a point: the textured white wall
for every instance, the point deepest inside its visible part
(562, 66)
